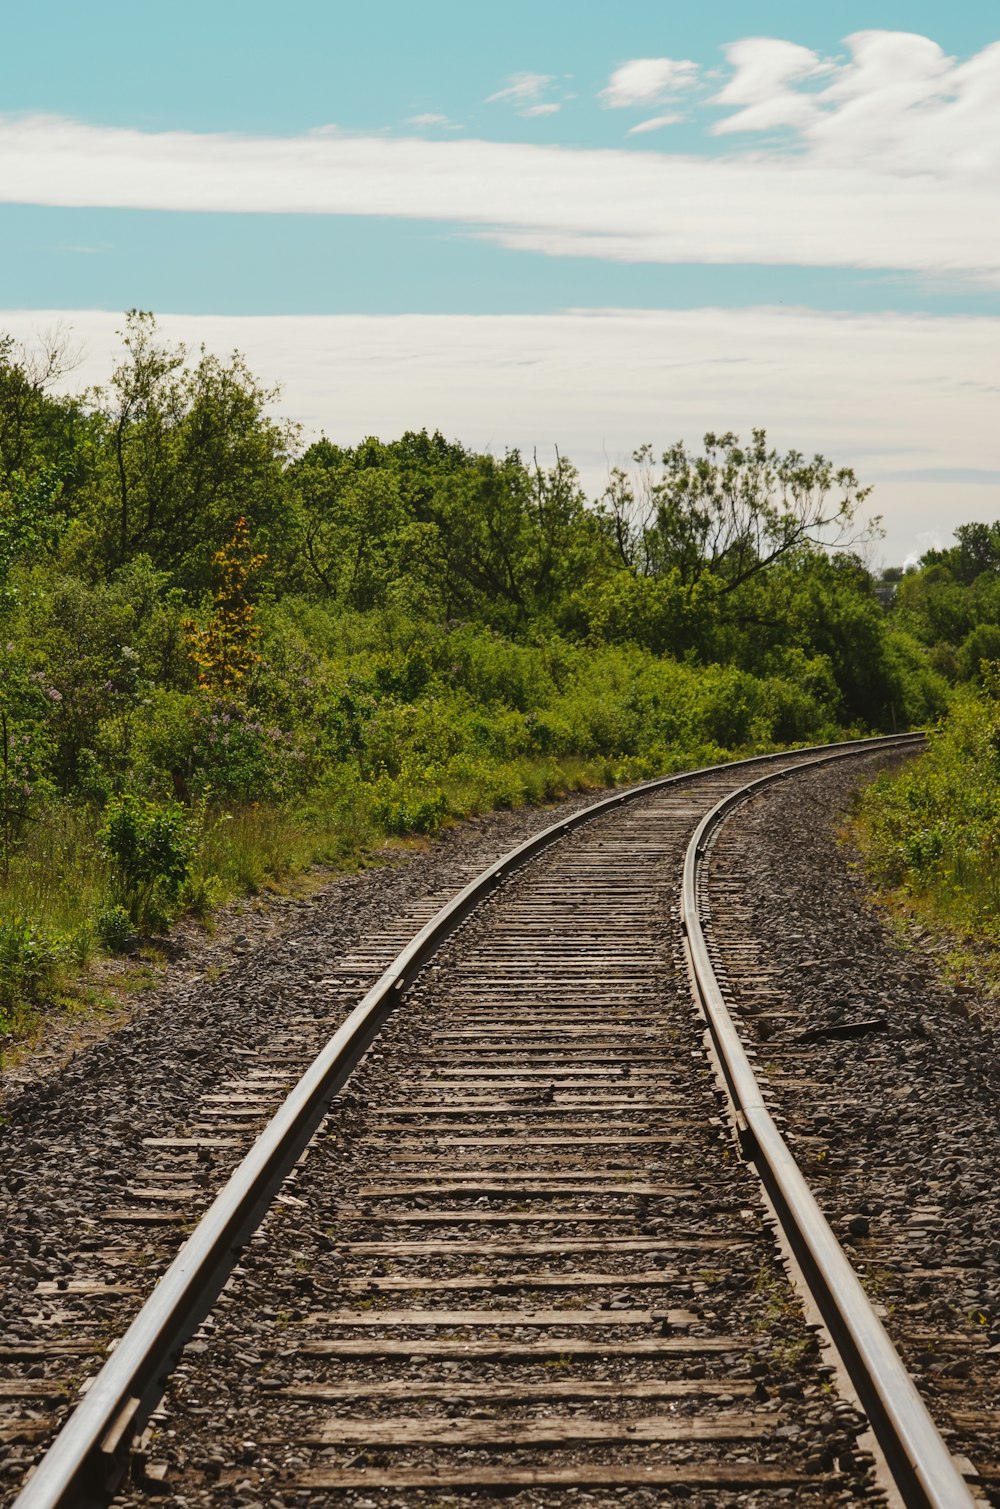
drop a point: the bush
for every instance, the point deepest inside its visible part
(934, 828)
(28, 962)
(149, 846)
(402, 809)
(116, 930)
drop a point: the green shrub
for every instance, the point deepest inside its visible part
(404, 809)
(934, 827)
(116, 930)
(149, 846)
(29, 959)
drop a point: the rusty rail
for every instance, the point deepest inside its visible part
(923, 1469)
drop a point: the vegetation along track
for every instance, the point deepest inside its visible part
(521, 1254)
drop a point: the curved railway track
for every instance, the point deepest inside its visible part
(522, 1254)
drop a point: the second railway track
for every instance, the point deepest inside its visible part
(521, 1256)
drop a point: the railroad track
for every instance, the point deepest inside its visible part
(888, 1084)
(520, 1256)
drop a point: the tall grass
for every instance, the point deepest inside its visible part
(932, 831)
(58, 901)
(58, 890)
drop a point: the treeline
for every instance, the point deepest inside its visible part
(950, 603)
(222, 652)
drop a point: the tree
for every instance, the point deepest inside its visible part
(224, 650)
(481, 536)
(731, 513)
(35, 426)
(977, 553)
(188, 450)
(46, 450)
(351, 524)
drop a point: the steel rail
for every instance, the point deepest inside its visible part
(88, 1458)
(922, 1467)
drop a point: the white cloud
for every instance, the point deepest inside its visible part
(926, 539)
(429, 118)
(764, 71)
(524, 91)
(899, 104)
(522, 87)
(888, 394)
(647, 81)
(620, 205)
(892, 163)
(655, 123)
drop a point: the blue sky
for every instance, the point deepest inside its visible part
(505, 161)
(217, 68)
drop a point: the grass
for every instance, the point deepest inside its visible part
(930, 839)
(58, 884)
(57, 878)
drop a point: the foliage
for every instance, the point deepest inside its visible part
(29, 960)
(223, 657)
(116, 930)
(934, 829)
(25, 747)
(149, 847)
(224, 649)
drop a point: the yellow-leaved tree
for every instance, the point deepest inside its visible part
(224, 649)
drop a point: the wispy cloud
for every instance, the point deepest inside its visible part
(524, 92)
(430, 118)
(655, 123)
(887, 160)
(647, 81)
(926, 539)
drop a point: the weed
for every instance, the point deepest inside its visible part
(149, 847)
(116, 930)
(29, 963)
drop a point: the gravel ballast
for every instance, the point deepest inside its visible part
(887, 1080)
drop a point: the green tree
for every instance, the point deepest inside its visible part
(731, 513)
(46, 450)
(187, 451)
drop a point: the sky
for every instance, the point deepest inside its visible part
(537, 225)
